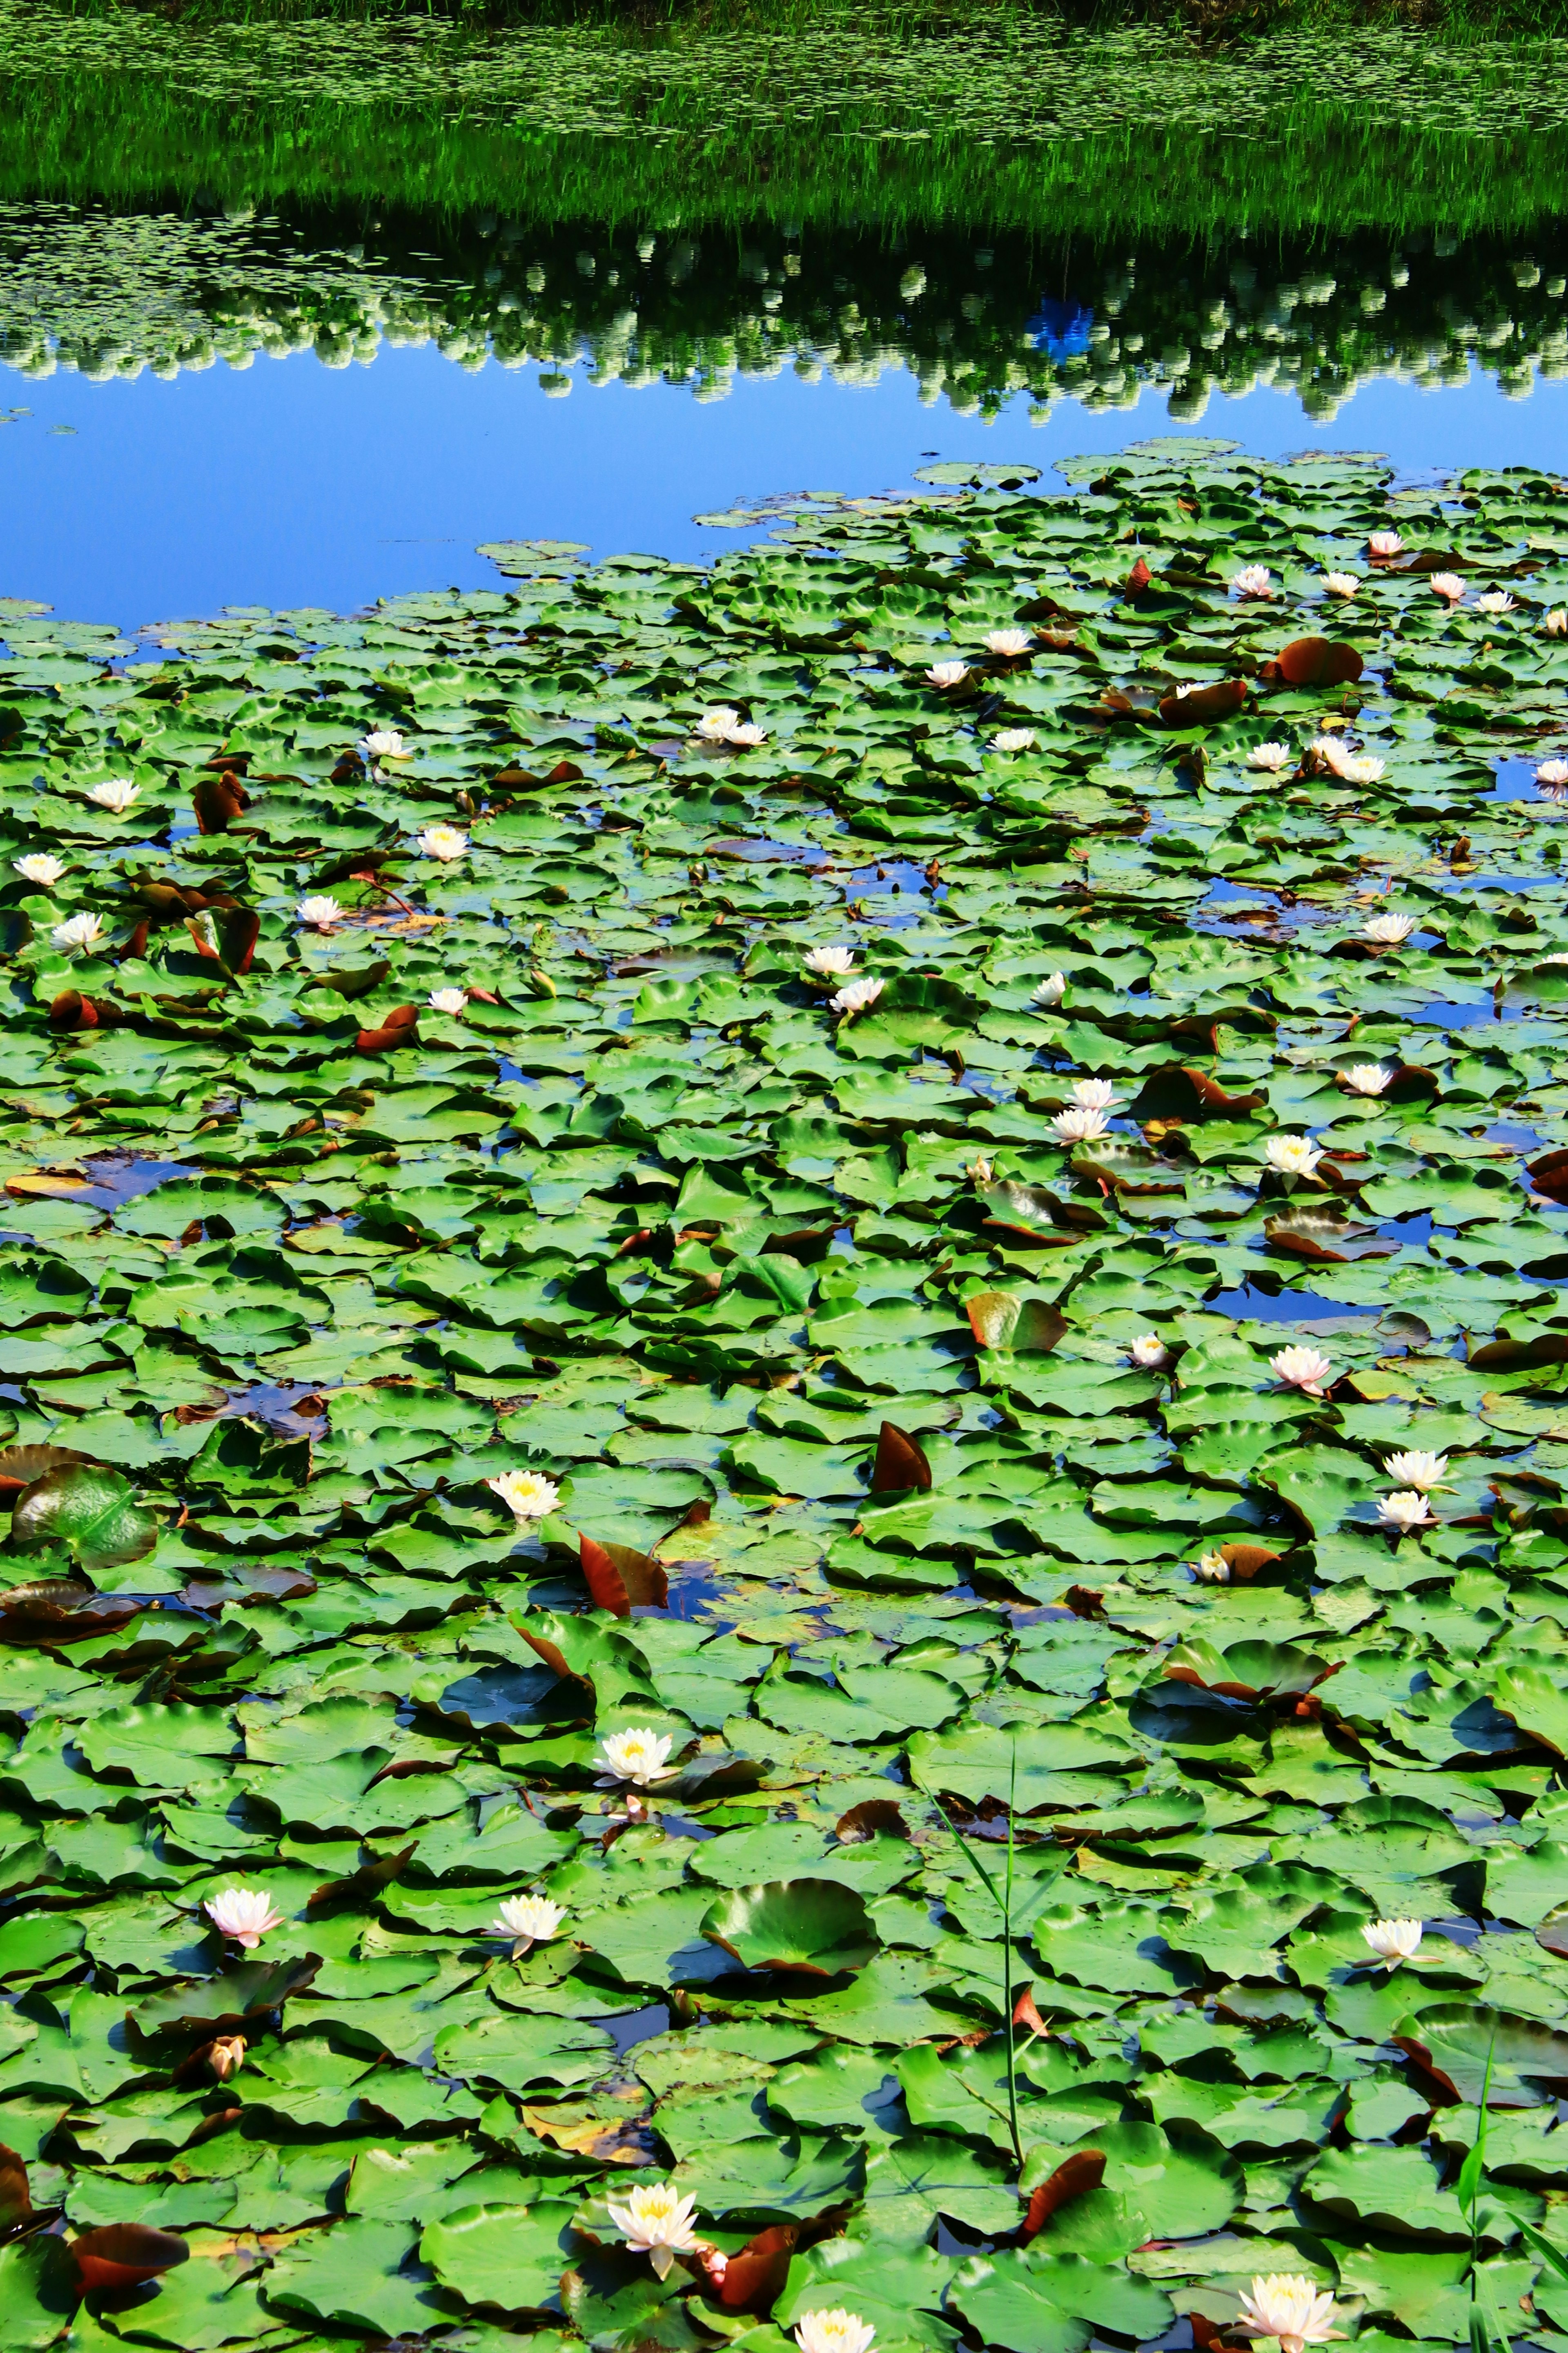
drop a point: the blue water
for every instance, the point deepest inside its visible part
(290, 484)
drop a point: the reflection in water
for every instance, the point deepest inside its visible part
(976, 315)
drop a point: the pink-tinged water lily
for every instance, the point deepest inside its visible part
(1015, 739)
(244, 1913)
(1270, 758)
(1418, 1467)
(1009, 644)
(1291, 1155)
(531, 1919)
(830, 964)
(1212, 1568)
(445, 842)
(1496, 600)
(527, 1494)
(1367, 1078)
(656, 2220)
(1404, 1510)
(947, 673)
(639, 1755)
(77, 933)
(1052, 989)
(447, 1000)
(1449, 586)
(1307, 1369)
(1079, 1123)
(1149, 1350)
(1253, 580)
(1393, 1940)
(1384, 545)
(1093, 1094)
(1388, 931)
(856, 996)
(116, 796)
(1342, 583)
(834, 2332)
(1290, 2307)
(321, 913)
(40, 866)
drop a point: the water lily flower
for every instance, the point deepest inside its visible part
(1556, 623)
(225, 2055)
(1149, 1350)
(1051, 990)
(1079, 1123)
(1288, 2306)
(1388, 931)
(323, 912)
(1329, 752)
(834, 2332)
(1404, 1510)
(1365, 769)
(1292, 1156)
(1367, 1078)
(1307, 1369)
(981, 1171)
(1418, 1468)
(1255, 580)
(443, 841)
(1015, 739)
(1496, 600)
(1094, 1095)
(656, 2220)
(1009, 644)
(1342, 583)
(948, 673)
(639, 1755)
(78, 932)
(39, 866)
(116, 795)
(381, 744)
(856, 996)
(746, 735)
(527, 1494)
(1549, 772)
(447, 1001)
(1393, 1940)
(1213, 1568)
(830, 964)
(714, 725)
(531, 1919)
(245, 1914)
(1449, 586)
(1271, 757)
(1385, 544)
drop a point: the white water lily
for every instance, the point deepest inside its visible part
(715, 726)
(948, 673)
(77, 933)
(245, 1914)
(1367, 1078)
(527, 1494)
(40, 866)
(1393, 1940)
(1015, 739)
(1552, 772)
(1496, 600)
(1009, 644)
(834, 2332)
(323, 912)
(1342, 583)
(531, 1919)
(1418, 1467)
(981, 1171)
(1051, 990)
(1307, 1369)
(1213, 1568)
(1385, 544)
(1093, 1094)
(1449, 586)
(656, 2220)
(1288, 2306)
(746, 735)
(1253, 580)
(639, 1755)
(856, 996)
(1404, 1510)
(1388, 931)
(1292, 1156)
(1271, 757)
(830, 964)
(443, 841)
(117, 795)
(1364, 769)
(1329, 752)
(1079, 1123)
(381, 744)
(1556, 623)
(1149, 1350)
(447, 1001)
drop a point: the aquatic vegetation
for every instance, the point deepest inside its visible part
(547, 1534)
